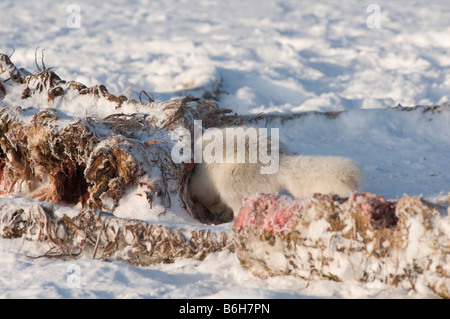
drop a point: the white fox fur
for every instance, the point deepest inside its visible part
(221, 187)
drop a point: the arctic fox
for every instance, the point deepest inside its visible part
(221, 187)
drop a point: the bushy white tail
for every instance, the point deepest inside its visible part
(305, 175)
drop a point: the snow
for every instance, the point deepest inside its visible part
(218, 276)
(400, 152)
(275, 56)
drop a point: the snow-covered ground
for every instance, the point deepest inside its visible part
(252, 56)
(273, 55)
(218, 276)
